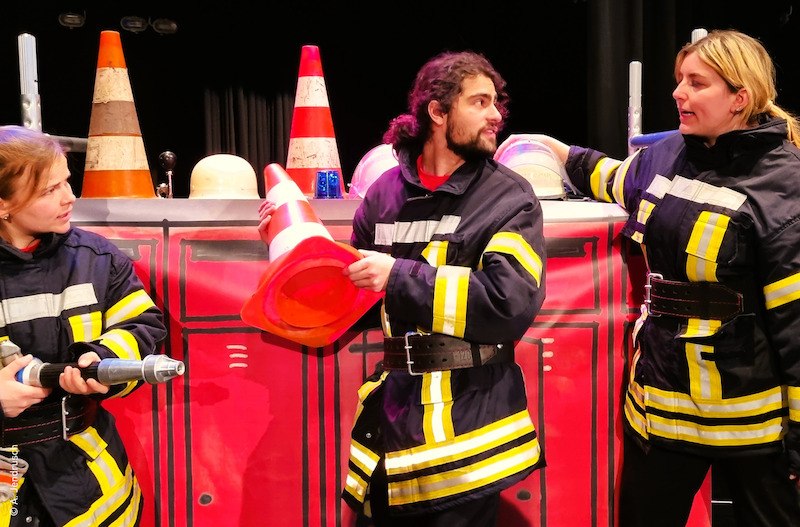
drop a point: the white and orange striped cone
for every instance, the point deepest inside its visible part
(116, 162)
(312, 143)
(303, 295)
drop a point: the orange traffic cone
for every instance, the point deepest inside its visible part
(303, 295)
(116, 162)
(312, 144)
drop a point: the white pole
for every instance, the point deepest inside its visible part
(29, 82)
(634, 102)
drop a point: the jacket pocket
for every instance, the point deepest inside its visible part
(732, 342)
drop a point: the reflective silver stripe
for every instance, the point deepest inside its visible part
(783, 291)
(715, 434)
(384, 232)
(362, 457)
(701, 192)
(46, 305)
(744, 406)
(481, 440)
(470, 477)
(659, 186)
(414, 231)
(129, 307)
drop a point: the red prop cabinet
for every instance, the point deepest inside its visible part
(256, 431)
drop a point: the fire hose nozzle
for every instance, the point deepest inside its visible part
(153, 369)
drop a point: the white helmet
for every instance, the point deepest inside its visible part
(374, 163)
(223, 176)
(536, 162)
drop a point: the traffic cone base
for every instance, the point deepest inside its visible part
(304, 297)
(118, 183)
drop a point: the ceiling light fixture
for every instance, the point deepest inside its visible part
(72, 20)
(134, 24)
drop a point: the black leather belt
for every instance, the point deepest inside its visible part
(418, 354)
(58, 420)
(706, 300)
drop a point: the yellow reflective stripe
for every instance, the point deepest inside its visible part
(355, 486)
(90, 442)
(385, 325)
(717, 434)
(435, 253)
(515, 245)
(130, 516)
(105, 469)
(464, 479)
(122, 343)
(707, 234)
(635, 418)
(704, 244)
(461, 447)
(700, 270)
(450, 300)
(109, 503)
(793, 393)
(783, 291)
(744, 406)
(362, 457)
(645, 209)
(601, 175)
(704, 380)
(618, 185)
(86, 327)
(437, 400)
(700, 327)
(129, 307)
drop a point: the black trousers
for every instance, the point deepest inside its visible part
(658, 487)
(30, 511)
(476, 513)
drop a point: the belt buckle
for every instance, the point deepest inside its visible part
(647, 287)
(407, 347)
(64, 414)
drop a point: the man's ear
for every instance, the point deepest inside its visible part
(435, 112)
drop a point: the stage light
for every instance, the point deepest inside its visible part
(72, 20)
(164, 26)
(134, 24)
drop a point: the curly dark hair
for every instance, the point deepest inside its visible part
(440, 80)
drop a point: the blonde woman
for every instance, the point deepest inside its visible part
(715, 378)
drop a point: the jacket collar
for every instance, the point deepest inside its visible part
(457, 183)
(49, 243)
(734, 144)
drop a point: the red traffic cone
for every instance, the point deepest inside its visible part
(312, 143)
(303, 295)
(116, 162)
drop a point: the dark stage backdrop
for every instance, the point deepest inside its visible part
(225, 81)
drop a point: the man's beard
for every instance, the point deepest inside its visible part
(471, 149)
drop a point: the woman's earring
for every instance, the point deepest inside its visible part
(6, 217)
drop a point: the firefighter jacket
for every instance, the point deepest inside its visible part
(76, 292)
(470, 264)
(728, 214)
